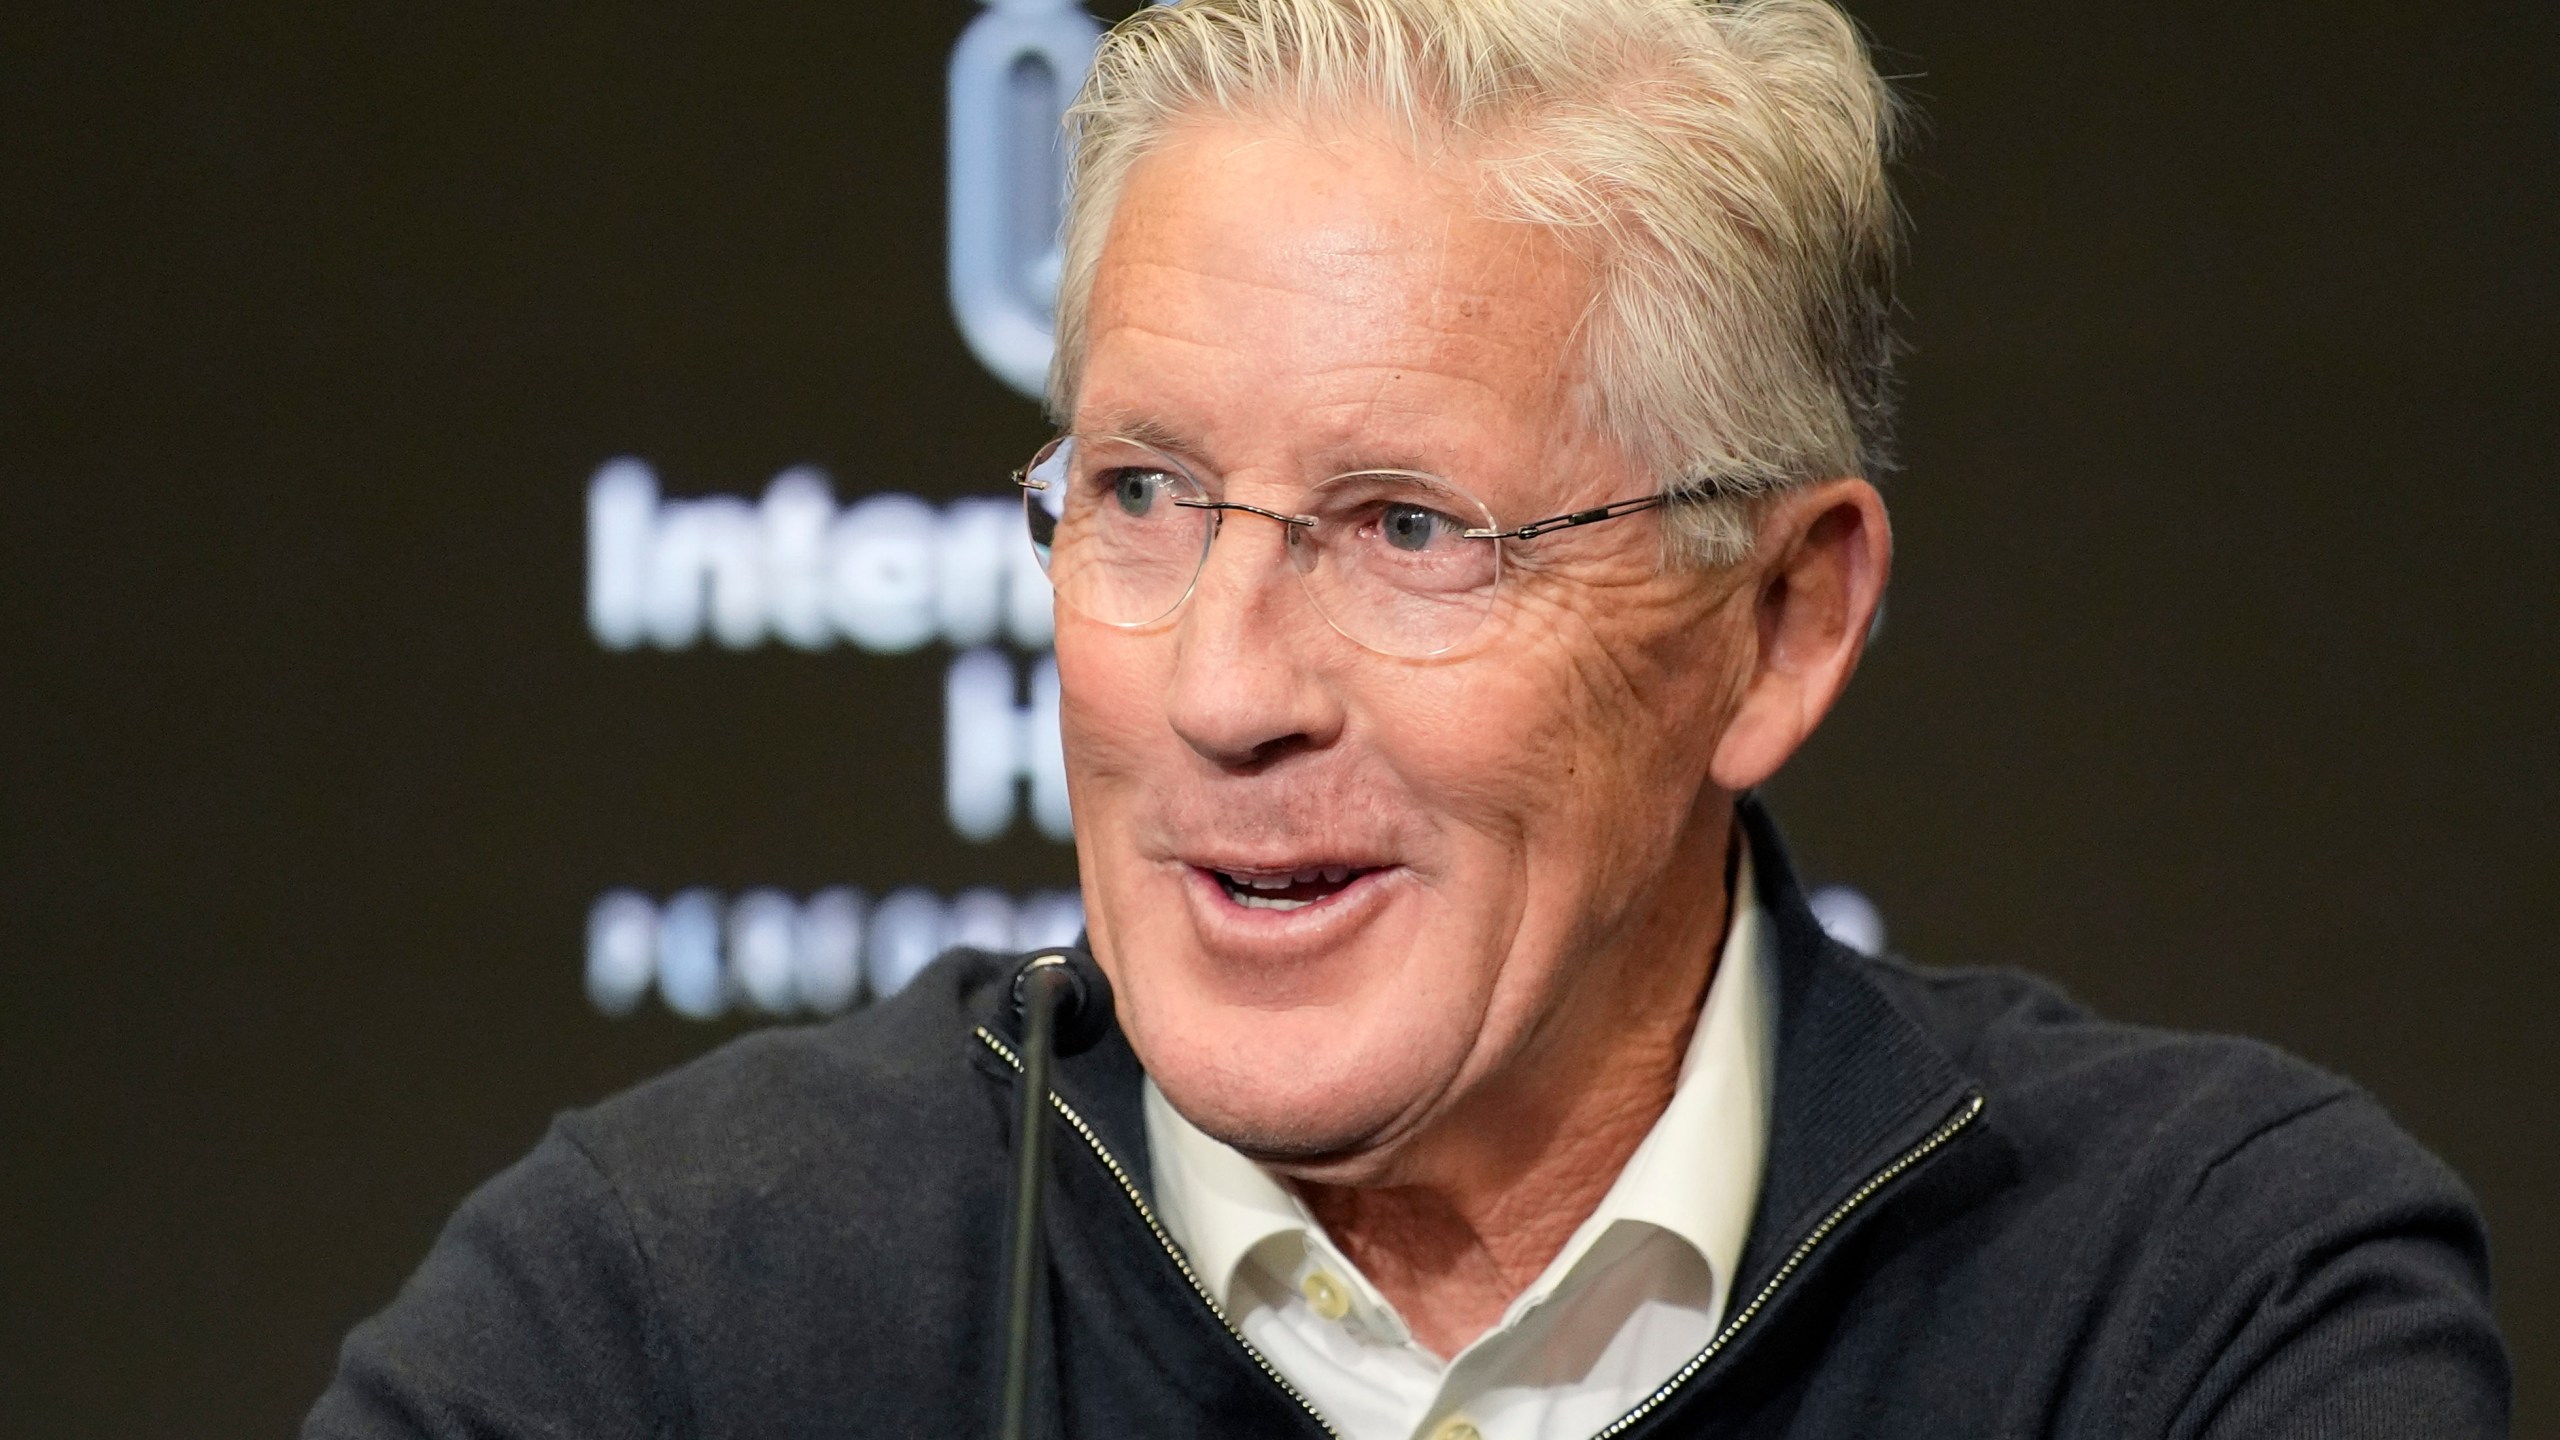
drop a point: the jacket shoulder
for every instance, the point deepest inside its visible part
(612, 1279)
(2046, 1061)
(804, 1101)
(2264, 1249)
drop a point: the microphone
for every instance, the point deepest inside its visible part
(1063, 1004)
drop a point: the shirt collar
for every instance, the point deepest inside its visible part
(1215, 1203)
(1696, 1174)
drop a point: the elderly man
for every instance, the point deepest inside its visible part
(1459, 512)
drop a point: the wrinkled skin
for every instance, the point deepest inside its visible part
(1452, 1055)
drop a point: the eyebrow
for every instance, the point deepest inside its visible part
(1346, 457)
(1146, 431)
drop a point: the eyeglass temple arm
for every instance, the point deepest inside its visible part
(1593, 516)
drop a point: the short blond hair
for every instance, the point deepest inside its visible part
(1721, 167)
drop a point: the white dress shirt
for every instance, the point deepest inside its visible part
(1638, 1289)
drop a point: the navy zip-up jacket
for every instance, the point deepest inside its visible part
(1985, 1214)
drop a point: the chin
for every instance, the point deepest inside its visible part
(1335, 1078)
(1267, 1102)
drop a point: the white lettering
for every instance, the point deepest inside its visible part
(707, 550)
(880, 564)
(765, 952)
(622, 527)
(689, 975)
(979, 594)
(797, 508)
(622, 951)
(990, 746)
(980, 920)
(906, 933)
(889, 573)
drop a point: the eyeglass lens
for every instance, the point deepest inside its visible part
(1386, 561)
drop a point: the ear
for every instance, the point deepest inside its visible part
(1820, 561)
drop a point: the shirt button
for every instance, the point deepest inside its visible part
(1326, 1295)
(1456, 1427)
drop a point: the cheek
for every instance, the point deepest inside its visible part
(1587, 751)
(1107, 705)
(1113, 734)
(1502, 765)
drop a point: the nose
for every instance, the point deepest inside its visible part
(1244, 695)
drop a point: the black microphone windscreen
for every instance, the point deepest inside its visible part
(1083, 1013)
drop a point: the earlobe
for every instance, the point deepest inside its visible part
(1827, 551)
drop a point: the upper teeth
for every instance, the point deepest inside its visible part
(1329, 874)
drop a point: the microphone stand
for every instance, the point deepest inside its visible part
(1037, 990)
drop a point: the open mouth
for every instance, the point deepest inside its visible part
(1287, 889)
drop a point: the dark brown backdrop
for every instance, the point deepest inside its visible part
(2216, 681)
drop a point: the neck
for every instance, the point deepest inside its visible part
(1478, 1205)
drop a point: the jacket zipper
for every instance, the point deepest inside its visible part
(1172, 1251)
(1947, 1130)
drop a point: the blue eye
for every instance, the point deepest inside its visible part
(1412, 527)
(1136, 490)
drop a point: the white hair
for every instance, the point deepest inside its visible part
(1720, 167)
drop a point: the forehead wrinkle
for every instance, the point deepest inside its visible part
(1107, 294)
(1339, 228)
(1403, 327)
(1463, 330)
(1385, 429)
(1429, 274)
(1382, 384)
(1427, 350)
